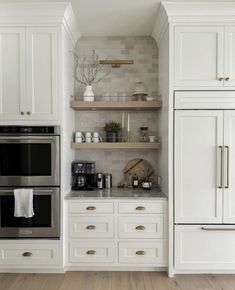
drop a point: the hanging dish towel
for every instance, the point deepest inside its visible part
(23, 203)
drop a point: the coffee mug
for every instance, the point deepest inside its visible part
(96, 137)
(88, 134)
(152, 139)
(79, 139)
(78, 134)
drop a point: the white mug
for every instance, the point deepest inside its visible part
(152, 139)
(88, 134)
(79, 139)
(78, 134)
(96, 137)
(89, 139)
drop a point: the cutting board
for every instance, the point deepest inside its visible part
(141, 167)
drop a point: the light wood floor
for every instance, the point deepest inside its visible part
(115, 281)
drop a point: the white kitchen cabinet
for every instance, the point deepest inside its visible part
(198, 135)
(29, 73)
(204, 56)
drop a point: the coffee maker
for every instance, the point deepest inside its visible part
(83, 175)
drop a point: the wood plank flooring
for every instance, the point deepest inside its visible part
(115, 281)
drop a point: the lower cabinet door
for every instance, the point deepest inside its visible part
(86, 251)
(140, 253)
(204, 248)
(29, 255)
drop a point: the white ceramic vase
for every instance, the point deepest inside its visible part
(88, 95)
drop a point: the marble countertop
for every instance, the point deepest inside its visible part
(116, 193)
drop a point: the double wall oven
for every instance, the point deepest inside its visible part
(30, 158)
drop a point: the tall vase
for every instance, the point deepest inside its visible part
(88, 95)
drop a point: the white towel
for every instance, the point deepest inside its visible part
(23, 203)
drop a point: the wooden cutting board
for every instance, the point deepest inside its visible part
(141, 167)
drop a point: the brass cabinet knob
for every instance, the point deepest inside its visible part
(91, 227)
(140, 228)
(22, 113)
(140, 208)
(140, 253)
(227, 78)
(91, 208)
(91, 252)
(28, 113)
(220, 79)
(27, 254)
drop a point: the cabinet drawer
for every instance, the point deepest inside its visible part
(91, 252)
(141, 227)
(29, 254)
(91, 227)
(90, 207)
(141, 252)
(141, 207)
(197, 249)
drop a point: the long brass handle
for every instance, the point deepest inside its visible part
(220, 167)
(140, 208)
(220, 79)
(27, 254)
(91, 252)
(227, 171)
(227, 78)
(91, 227)
(140, 228)
(22, 113)
(91, 208)
(28, 113)
(140, 253)
(218, 229)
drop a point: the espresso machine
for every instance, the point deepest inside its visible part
(83, 175)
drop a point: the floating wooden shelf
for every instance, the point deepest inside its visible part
(127, 145)
(116, 105)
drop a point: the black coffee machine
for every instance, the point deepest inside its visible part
(83, 175)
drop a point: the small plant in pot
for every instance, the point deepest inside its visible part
(112, 128)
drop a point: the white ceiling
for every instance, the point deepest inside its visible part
(114, 17)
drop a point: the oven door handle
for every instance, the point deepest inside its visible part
(26, 138)
(35, 192)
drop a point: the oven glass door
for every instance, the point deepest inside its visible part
(29, 161)
(44, 223)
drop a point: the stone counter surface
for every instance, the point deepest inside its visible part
(116, 193)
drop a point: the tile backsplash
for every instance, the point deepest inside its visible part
(143, 50)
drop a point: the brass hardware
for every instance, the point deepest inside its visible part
(227, 174)
(91, 227)
(217, 229)
(220, 79)
(220, 169)
(140, 228)
(140, 253)
(27, 254)
(140, 208)
(22, 113)
(91, 252)
(117, 62)
(227, 78)
(28, 113)
(91, 208)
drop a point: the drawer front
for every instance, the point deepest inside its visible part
(90, 207)
(141, 227)
(141, 207)
(91, 252)
(90, 227)
(197, 249)
(29, 254)
(141, 253)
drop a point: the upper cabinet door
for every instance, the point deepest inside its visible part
(198, 56)
(12, 73)
(197, 166)
(229, 167)
(42, 73)
(229, 65)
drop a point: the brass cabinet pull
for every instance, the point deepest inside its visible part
(140, 208)
(227, 78)
(140, 228)
(220, 79)
(28, 113)
(140, 253)
(91, 252)
(220, 167)
(91, 208)
(91, 227)
(27, 254)
(227, 173)
(218, 229)
(22, 113)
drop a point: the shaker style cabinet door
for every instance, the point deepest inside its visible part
(229, 168)
(42, 74)
(197, 166)
(12, 73)
(229, 65)
(199, 56)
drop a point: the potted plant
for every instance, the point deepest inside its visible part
(112, 128)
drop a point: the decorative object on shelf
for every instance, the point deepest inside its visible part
(88, 137)
(144, 134)
(139, 167)
(115, 63)
(87, 71)
(112, 129)
(140, 92)
(152, 139)
(79, 138)
(96, 137)
(147, 184)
